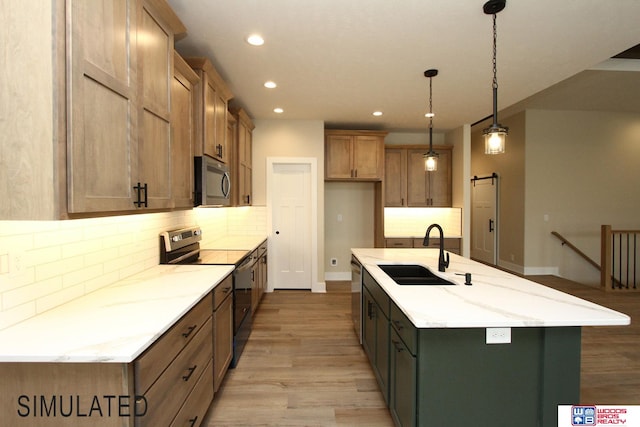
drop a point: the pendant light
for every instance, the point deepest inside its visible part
(431, 157)
(494, 136)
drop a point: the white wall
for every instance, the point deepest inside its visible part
(354, 202)
(582, 171)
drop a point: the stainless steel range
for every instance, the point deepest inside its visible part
(182, 246)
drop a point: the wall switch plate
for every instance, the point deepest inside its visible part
(498, 335)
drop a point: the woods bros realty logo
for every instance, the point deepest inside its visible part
(592, 415)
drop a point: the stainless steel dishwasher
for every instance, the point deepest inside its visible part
(356, 296)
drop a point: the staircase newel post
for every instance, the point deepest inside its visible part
(605, 257)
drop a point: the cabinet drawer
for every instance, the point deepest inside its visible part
(451, 244)
(153, 361)
(378, 294)
(169, 392)
(405, 329)
(195, 408)
(222, 290)
(399, 243)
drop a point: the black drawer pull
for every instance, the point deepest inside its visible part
(191, 371)
(193, 421)
(398, 325)
(397, 346)
(190, 329)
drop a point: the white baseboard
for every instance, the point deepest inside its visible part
(320, 287)
(338, 275)
(539, 271)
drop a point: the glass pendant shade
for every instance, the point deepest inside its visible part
(430, 162)
(495, 139)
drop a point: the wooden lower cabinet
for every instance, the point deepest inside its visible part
(223, 330)
(169, 384)
(451, 244)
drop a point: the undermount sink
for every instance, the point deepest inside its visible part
(413, 274)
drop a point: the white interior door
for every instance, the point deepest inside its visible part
(484, 221)
(290, 239)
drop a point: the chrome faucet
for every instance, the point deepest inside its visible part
(442, 264)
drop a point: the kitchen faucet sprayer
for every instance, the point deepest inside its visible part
(442, 263)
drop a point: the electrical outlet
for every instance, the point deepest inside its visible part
(498, 335)
(334, 262)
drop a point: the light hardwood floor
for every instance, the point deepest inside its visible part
(303, 365)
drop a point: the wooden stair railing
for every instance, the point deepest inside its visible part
(578, 251)
(620, 258)
(613, 283)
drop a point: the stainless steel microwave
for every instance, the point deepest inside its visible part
(212, 182)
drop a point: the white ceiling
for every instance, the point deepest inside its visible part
(339, 60)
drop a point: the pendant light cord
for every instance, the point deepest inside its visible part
(430, 117)
(495, 53)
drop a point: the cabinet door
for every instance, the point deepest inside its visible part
(402, 384)
(244, 164)
(440, 181)
(381, 367)
(368, 157)
(222, 340)
(375, 340)
(182, 135)
(417, 179)
(395, 177)
(368, 325)
(102, 138)
(155, 71)
(210, 146)
(221, 127)
(338, 157)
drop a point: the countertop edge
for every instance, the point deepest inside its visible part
(428, 257)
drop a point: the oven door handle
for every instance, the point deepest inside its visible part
(185, 256)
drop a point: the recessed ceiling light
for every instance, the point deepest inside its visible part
(255, 40)
(377, 113)
(278, 110)
(270, 84)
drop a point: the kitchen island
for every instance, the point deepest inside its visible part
(502, 351)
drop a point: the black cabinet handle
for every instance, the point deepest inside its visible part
(192, 421)
(490, 225)
(398, 325)
(399, 348)
(139, 188)
(191, 371)
(190, 329)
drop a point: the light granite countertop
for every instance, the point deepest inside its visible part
(495, 299)
(114, 324)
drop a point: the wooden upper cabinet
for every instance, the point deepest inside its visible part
(102, 99)
(211, 104)
(184, 79)
(408, 184)
(155, 73)
(119, 137)
(242, 164)
(354, 155)
(395, 177)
